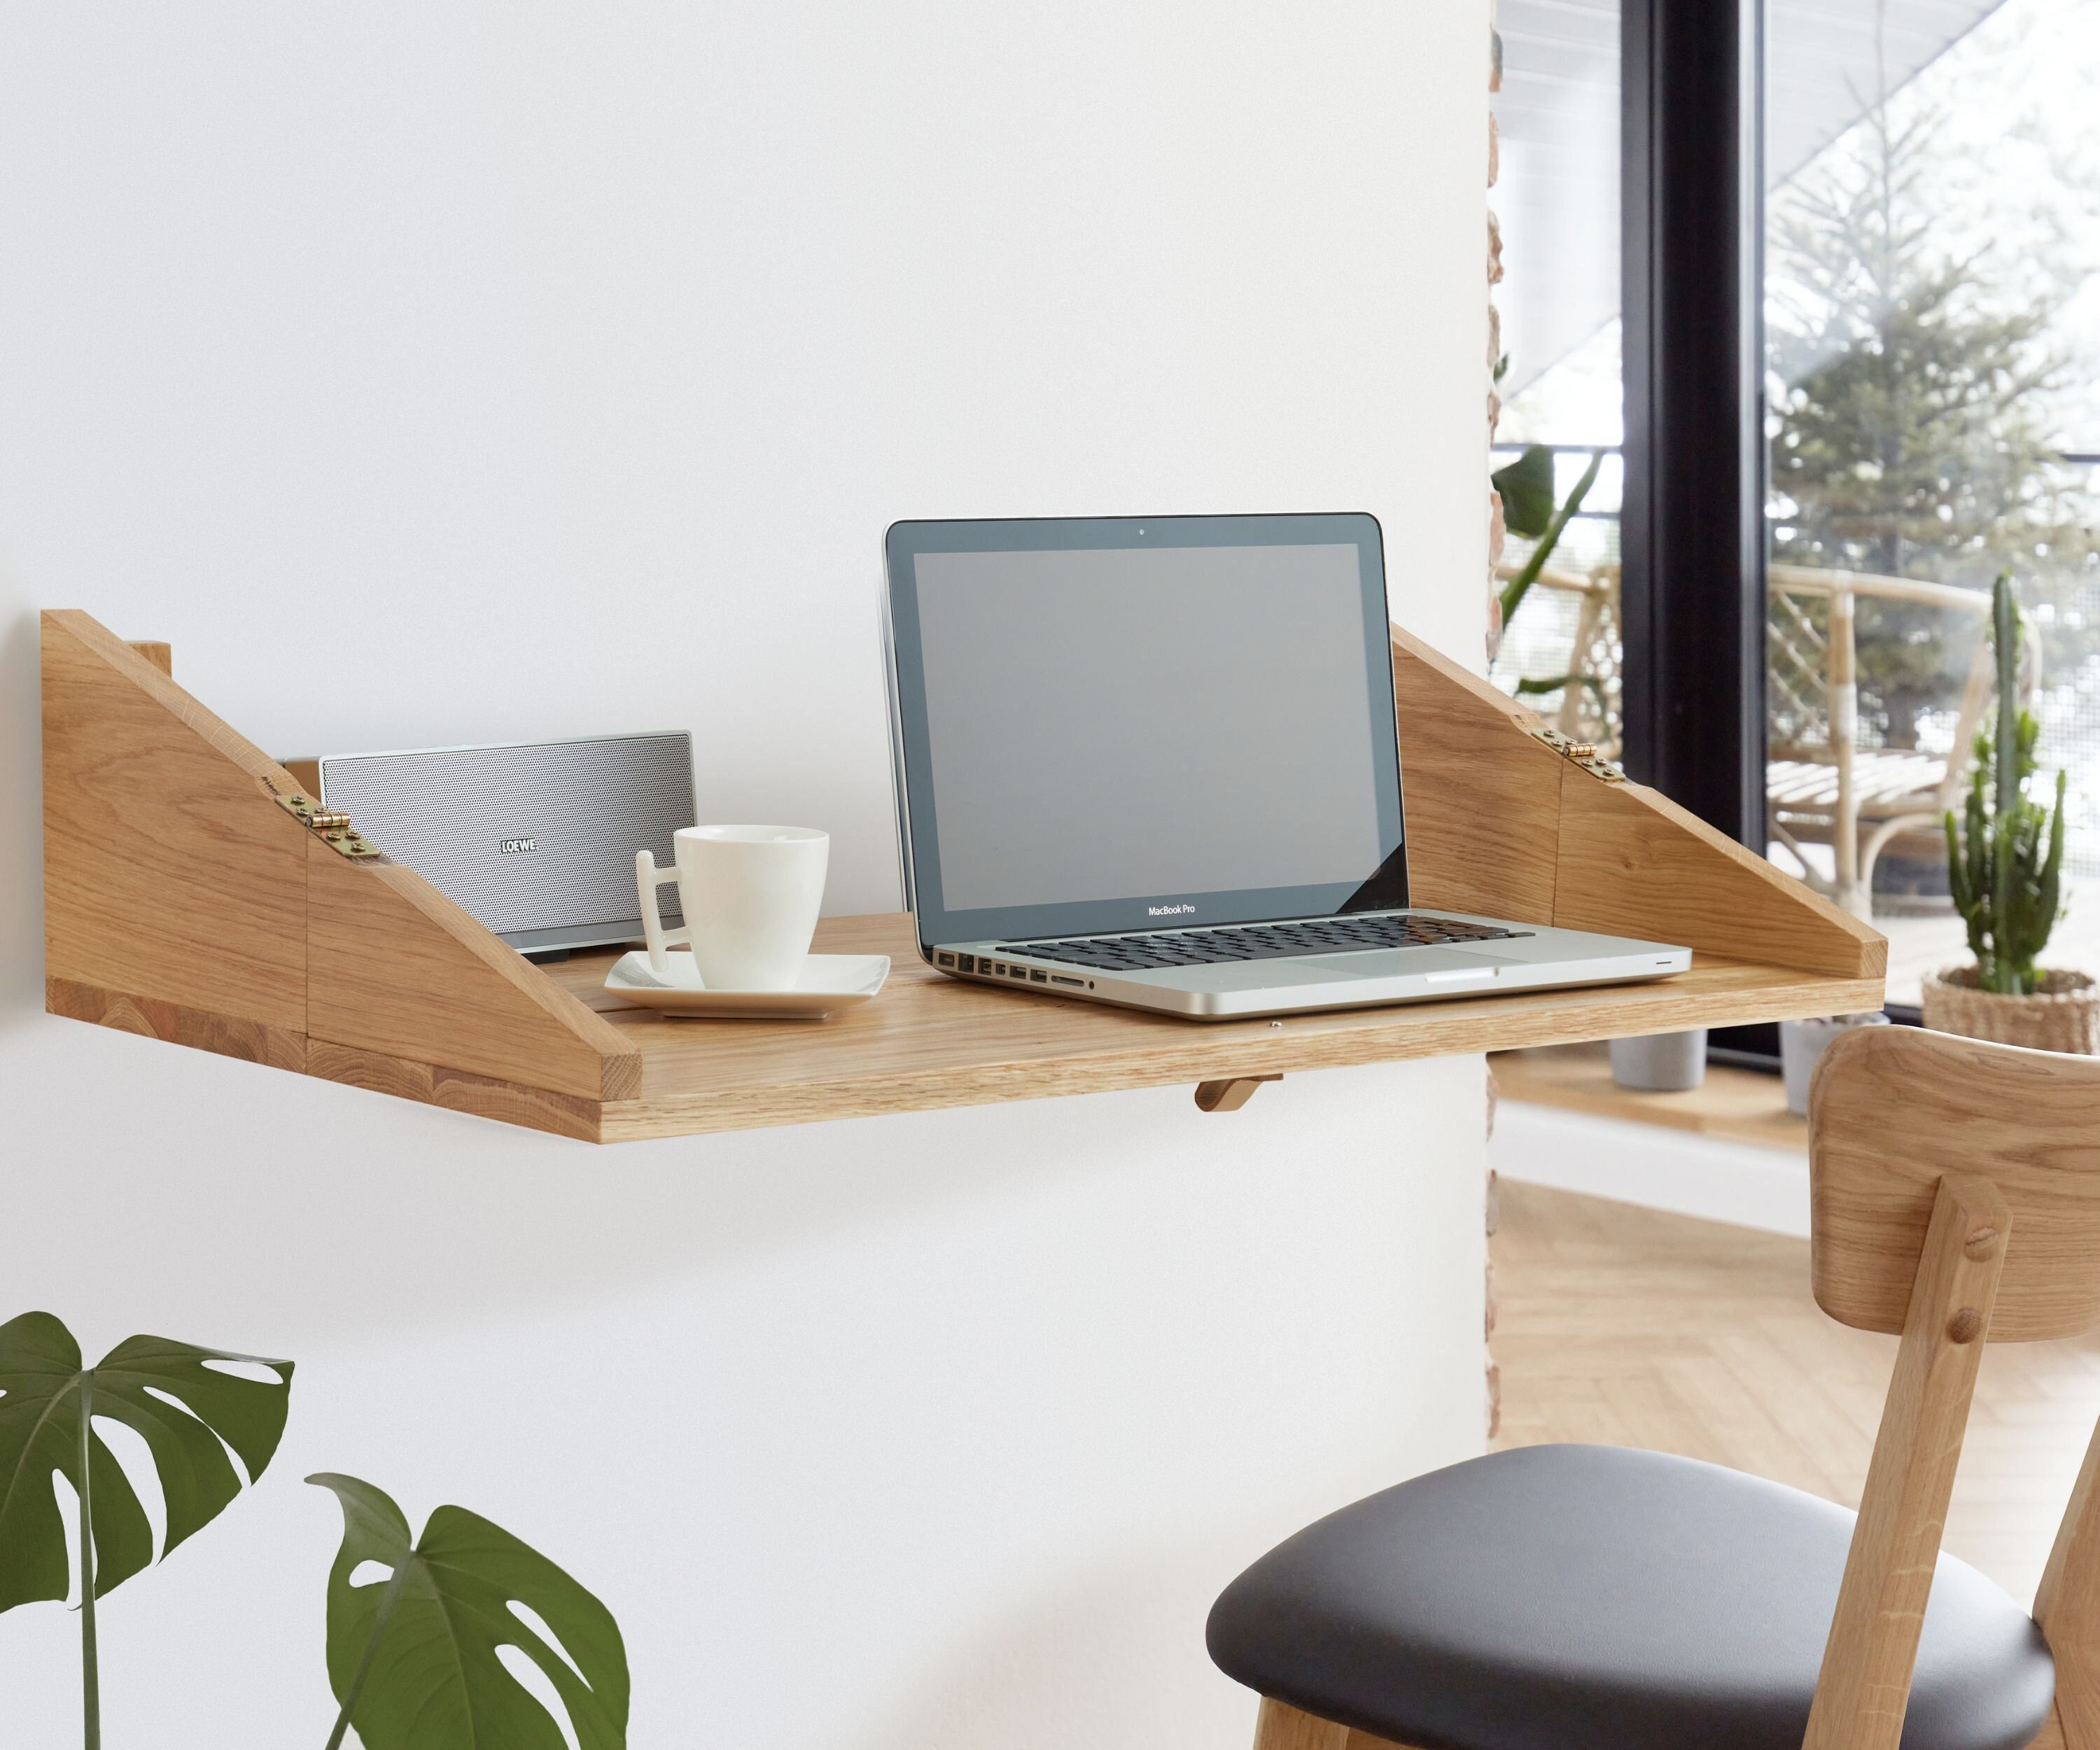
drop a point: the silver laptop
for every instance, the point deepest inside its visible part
(1152, 761)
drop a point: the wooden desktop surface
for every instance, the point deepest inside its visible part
(929, 1040)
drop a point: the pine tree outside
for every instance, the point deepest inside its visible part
(1933, 327)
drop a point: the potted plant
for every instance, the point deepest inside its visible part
(418, 1629)
(2005, 861)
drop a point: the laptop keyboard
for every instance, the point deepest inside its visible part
(1260, 942)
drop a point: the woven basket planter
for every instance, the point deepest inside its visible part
(2063, 1015)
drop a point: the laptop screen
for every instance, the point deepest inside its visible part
(1131, 723)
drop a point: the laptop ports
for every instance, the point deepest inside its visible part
(944, 959)
(1038, 977)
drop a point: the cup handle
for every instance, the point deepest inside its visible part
(647, 878)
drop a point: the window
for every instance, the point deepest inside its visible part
(1557, 201)
(1932, 410)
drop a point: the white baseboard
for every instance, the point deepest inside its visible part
(1653, 1166)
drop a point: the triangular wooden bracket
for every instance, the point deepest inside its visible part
(1509, 825)
(186, 896)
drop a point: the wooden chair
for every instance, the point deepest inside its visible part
(1821, 786)
(1573, 1597)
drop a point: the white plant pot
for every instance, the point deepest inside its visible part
(1802, 1044)
(1661, 1063)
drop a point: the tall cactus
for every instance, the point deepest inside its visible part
(2006, 886)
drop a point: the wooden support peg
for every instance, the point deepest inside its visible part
(162, 656)
(1229, 1096)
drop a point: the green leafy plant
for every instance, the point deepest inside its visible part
(2004, 863)
(48, 1403)
(412, 1656)
(1526, 487)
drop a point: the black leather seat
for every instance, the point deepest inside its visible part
(1585, 1598)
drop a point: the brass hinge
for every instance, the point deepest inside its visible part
(333, 830)
(1582, 753)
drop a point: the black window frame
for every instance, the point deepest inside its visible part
(1692, 531)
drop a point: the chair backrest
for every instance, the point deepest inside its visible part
(1812, 668)
(1896, 1109)
(1955, 1198)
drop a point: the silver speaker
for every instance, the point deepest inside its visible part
(535, 839)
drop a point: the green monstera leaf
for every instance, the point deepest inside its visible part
(184, 1408)
(1526, 486)
(413, 1656)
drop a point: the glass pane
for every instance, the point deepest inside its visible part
(1557, 202)
(1932, 329)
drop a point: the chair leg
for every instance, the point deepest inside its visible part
(1283, 1727)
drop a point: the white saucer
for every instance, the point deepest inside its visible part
(828, 982)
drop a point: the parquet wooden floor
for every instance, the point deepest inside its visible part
(1633, 1327)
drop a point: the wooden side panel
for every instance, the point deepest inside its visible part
(455, 1090)
(401, 970)
(251, 1041)
(1893, 1109)
(1633, 863)
(154, 681)
(1483, 798)
(168, 874)
(1501, 823)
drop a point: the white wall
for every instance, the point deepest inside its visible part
(1715, 1178)
(548, 369)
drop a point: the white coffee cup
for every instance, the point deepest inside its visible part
(750, 895)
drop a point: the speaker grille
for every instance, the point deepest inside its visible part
(532, 838)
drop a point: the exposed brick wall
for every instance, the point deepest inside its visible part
(1496, 534)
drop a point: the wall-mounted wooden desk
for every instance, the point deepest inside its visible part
(929, 1041)
(184, 899)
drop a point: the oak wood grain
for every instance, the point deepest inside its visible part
(2068, 1607)
(1482, 798)
(1230, 1096)
(90, 634)
(169, 873)
(400, 970)
(1279, 1726)
(931, 1041)
(456, 1089)
(1633, 863)
(1498, 823)
(206, 1030)
(1893, 1109)
(1864, 1689)
(160, 654)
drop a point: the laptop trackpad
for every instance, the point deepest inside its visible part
(1337, 968)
